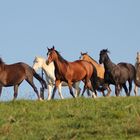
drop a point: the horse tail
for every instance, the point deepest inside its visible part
(94, 78)
(38, 77)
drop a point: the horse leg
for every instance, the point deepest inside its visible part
(57, 83)
(88, 92)
(59, 91)
(49, 91)
(103, 93)
(136, 90)
(70, 88)
(0, 90)
(126, 90)
(89, 86)
(34, 87)
(108, 90)
(84, 90)
(15, 91)
(85, 86)
(130, 87)
(53, 94)
(117, 87)
(77, 89)
(94, 93)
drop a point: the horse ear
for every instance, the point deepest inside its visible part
(53, 47)
(107, 50)
(48, 48)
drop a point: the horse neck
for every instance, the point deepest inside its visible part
(2, 65)
(108, 64)
(93, 62)
(48, 69)
(137, 65)
(59, 66)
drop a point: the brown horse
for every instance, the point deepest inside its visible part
(72, 72)
(14, 74)
(100, 70)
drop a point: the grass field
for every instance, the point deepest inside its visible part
(111, 118)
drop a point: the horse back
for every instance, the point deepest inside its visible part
(14, 68)
(129, 68)
(77, 70)
(12, 74)
(82, 64)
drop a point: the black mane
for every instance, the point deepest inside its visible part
(104, 51)
(93, 59)
(1, 61)
(60, 57)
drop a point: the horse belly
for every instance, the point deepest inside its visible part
(13, 79)
(78, 76)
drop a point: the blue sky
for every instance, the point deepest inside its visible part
(28, 27)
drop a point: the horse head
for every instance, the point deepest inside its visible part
(38, 63)
(51, 54)
(103, 55)
(83, 55)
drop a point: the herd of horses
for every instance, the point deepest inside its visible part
(97, 77)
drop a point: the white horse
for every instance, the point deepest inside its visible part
(137, 79)
(40, 62)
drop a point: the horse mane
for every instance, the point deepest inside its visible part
(105, 51)
(60, 57)
(92, 59)
(1, 61)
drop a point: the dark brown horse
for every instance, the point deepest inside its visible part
(71, 72)
(117, 74)
(14, 74)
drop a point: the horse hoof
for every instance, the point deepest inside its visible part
(40, 99)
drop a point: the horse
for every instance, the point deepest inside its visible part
(137, 78)
(100, 71)
(14, 74)
(40, 62)
(72, 72)
(117, 74)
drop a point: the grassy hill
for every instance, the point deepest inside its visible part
(81, 118)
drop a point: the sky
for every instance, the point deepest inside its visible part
(28, 27)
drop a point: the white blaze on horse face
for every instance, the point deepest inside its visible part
(48, 57)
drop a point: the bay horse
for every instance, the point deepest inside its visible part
(117, 74)
(14, 74)
(72, 72)
(137, 78)
(100, 71)
(40, 62)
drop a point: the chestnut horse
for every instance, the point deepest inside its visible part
(40, 62)
(72, 72)
(14, 74)
(100, 71)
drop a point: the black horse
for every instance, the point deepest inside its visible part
(118, 74)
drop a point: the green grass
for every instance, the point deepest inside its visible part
(110, 118)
